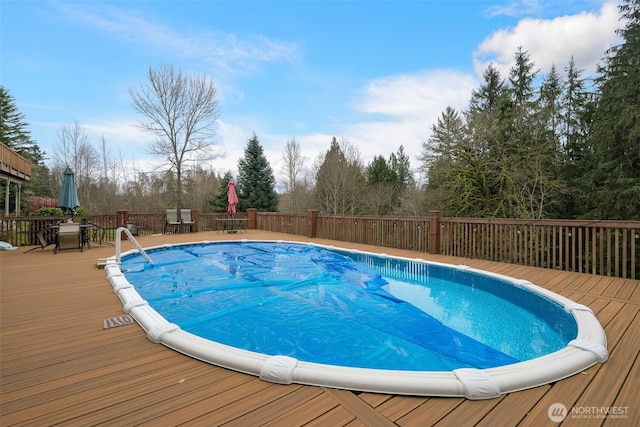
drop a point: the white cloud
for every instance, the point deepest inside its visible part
(214, 50)
(407, 106)
(118, 131)
(411, 104)
(515, 8)
(230, 145)
(586, 36)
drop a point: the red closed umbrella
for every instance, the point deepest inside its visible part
(232, 198)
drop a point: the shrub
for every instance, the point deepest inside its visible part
(57, 212)
(47, 212)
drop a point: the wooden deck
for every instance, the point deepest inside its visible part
(58, 366)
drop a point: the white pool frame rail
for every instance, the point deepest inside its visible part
(589, 348)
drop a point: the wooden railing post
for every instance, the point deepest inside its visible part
(195, 217)
(312, 223)
(122, 218)
(252, 218)
(434, 232)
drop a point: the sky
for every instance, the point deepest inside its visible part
(377, 74)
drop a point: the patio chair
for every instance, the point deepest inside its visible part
(171, 220)
(41, 241)
(69, 237)
(185, 215)
(98, 234)
(134, 228)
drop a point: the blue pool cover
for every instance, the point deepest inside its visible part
(323, 306)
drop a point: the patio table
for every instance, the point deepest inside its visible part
(231, 225)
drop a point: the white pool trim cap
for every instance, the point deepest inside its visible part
(589, 348)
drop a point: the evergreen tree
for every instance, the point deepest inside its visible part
(486, 99)
(516, 110)
(488, 122)
(387, 180)
(382, 187)
(523, 160)
(549, 103)
(379, 172)
(521, 80)
(339, 180)
(330, 185)
(15, 134)
(541, 186)
(483, 119)
(400, 164)
(14, 131)
(574, 140)
(616, 132)
(500, 158)
(256, 186)
(574, 107)
(456, 185)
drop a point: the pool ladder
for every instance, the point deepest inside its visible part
(126, 231)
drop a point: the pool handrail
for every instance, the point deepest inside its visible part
(125, 230)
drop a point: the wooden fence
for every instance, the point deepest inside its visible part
(283, 223)
(22, 231)
(610, 248)
(395, 232)
(411, 233)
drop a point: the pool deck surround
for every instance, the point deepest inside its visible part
(60, 365)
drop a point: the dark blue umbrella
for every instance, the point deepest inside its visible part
(68, 195)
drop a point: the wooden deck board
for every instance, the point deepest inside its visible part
(469, 412)
(628, 393)
(399, 406)
(272, 411)
(430, 412)
(603, 390)
(511, 410)
(250, 404)
(57, 364)
(336, 416)
(305, 412)
(627, 290)
(565, 392)
(358, 407)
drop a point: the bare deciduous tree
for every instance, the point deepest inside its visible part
(293, 164)
(180, 110)
(74, 149)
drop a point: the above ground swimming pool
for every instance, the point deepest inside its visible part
(311, 314)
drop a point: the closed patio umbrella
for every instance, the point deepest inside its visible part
(232, 198)
(68, 200)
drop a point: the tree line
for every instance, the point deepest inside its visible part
(558, 145)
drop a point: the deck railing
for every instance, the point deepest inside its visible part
(13, 164)
(283, 223)
(411, 233)
(22, 231)
(609, 248)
